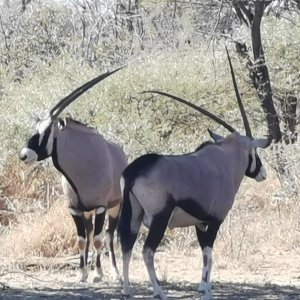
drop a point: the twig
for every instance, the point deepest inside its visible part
(25, 274)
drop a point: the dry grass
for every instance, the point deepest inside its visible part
(255, 228)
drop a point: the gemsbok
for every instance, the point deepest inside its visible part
(91, 168)
(193, 189)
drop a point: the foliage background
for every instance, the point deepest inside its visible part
(52, 47)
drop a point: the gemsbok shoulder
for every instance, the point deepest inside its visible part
(91, 168)
(194, 189)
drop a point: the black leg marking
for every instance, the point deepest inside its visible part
(80, 226)
(112, 224)
(88, 223)
(81, 233)
(207, 238)
(99, 221)
(156, 232)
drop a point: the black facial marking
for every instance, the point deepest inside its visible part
(40, 149)
(257, 169)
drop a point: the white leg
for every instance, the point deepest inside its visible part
(83, 273)
(98, 268)
(205, 285)
(148, 258)
(113, 270)
(126, 285)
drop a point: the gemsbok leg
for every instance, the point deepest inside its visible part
(128, 233)
(157, 229)
(113, 216)
(206, 240)
(99, 222)
(79, 221)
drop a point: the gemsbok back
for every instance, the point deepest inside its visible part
(91, 168)
(194, 189)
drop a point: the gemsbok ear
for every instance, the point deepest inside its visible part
(261, 143)
(214, 136)
(61, 124)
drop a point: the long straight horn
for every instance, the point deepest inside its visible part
(238, 97)
(198, 108)
(62, 104)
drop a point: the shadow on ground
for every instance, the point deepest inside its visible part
(222, 291)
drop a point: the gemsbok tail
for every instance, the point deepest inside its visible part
(130, 217)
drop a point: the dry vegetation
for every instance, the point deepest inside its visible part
(34, 221)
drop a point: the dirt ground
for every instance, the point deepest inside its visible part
(275, 277)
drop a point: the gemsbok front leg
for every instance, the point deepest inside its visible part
(79, 221)
(99, 222)
(206, 240)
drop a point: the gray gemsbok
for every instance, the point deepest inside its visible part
(91, 168)
(193, 189)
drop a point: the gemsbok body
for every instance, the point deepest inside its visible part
(195, 189)
(91, 168)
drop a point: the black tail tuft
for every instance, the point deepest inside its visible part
(124, 228)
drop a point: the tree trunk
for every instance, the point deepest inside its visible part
(289, 117)
(262, 80)
(251, 13)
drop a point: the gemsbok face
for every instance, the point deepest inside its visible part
(91, 168)
(195, 189)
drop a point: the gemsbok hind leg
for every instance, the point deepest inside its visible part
(79, 221)
(99, 222)
(113, 214)
(156, 232)
(128, 231)
(206, 240)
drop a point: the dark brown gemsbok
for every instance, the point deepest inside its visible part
(90, 167)
(195, 189)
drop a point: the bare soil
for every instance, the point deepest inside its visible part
(275, 277)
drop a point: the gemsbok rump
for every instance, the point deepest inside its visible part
(194, 189)
(91, 168)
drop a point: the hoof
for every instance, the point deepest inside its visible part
(161, 297)
(206, 297)
(82, 276)
(117, 278)
(82, 285)
(97, 279)
(98, 276)
(126, 296)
